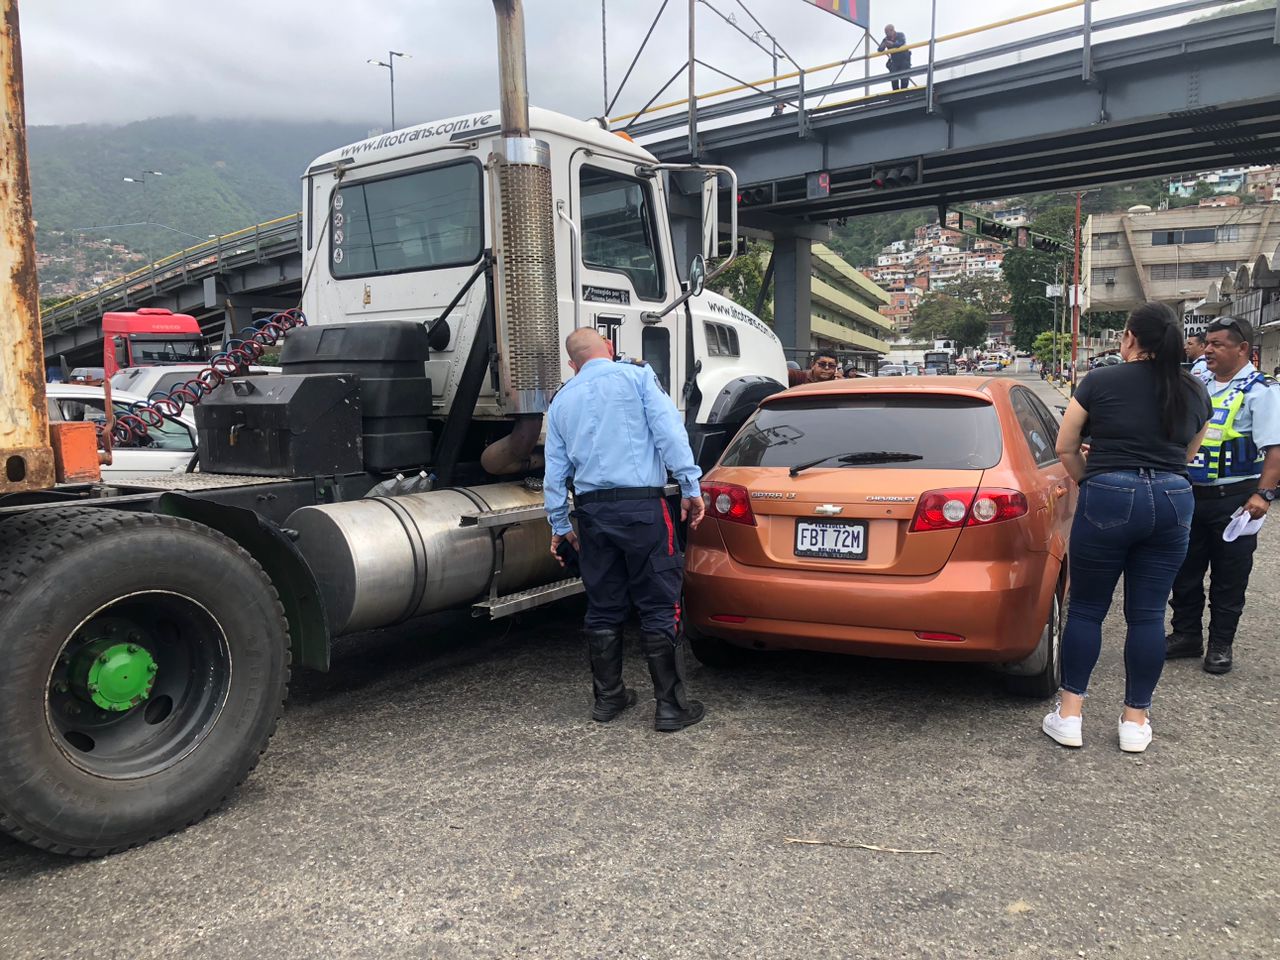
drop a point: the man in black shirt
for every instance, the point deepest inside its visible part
(899, 59)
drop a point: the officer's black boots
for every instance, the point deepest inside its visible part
(1178, 645)
(675, 710)
(612, 696)
(1218, 659)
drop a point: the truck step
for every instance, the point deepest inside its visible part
(511, 603)
(505, 517)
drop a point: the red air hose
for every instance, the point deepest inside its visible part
(160, 406)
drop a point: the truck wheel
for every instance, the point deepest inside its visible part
(144, 662)
(1046, 660)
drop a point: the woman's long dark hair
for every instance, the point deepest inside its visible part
(1159, 334)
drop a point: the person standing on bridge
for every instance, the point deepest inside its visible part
(898, 58)
(1236, 469)
(616, 433)
(1145, 419)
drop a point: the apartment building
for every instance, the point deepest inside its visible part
(1169, 255)
(846, 313)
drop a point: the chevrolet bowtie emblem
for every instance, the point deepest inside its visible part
(828, 509)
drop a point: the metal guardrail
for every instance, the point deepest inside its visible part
(796, 96)
(274, 237)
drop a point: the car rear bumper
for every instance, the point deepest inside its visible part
(998, 608)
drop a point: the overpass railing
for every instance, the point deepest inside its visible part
(801, 94)
(269, 238)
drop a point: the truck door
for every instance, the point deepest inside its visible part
(625, 268)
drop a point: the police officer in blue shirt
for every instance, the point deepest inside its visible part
(1237, 468)
(1195, 355)
(616, 433)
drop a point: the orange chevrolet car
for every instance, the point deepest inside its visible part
(921, 519)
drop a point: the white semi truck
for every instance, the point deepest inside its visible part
(147, 631)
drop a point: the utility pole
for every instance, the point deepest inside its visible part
(693, 96)
(390, 64)
(1075, 303)
(146, 209)
(604, 57)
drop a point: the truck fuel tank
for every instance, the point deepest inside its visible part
(381, 560)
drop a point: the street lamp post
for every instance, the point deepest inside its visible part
(146, 209)
(390, 64)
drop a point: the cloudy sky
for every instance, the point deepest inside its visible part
(89, 61)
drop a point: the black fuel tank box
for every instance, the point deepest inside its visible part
(282, 425)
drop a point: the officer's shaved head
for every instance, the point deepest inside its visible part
(586, 344)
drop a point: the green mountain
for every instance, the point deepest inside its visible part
(217, 176)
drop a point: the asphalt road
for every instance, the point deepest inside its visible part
(442, 794)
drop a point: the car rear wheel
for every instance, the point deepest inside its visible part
(713, 652)
(1042, 671)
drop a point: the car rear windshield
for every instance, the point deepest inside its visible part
(945, 432)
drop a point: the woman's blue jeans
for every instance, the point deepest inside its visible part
(1136, 523)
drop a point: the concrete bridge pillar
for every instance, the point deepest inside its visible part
(792, 263)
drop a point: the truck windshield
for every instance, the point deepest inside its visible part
(151, 351)
(420, 220)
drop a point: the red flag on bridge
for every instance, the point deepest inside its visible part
(855, 11)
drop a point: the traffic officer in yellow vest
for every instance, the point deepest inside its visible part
(1238, 467)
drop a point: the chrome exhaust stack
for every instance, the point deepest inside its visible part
(527, 307)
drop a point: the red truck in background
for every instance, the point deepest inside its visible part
(150, 336)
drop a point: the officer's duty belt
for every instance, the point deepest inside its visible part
(1221, 491)
(618, 493)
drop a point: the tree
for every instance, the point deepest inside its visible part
(988, 294)
(1027, 271)
(741, 283)
(1044, 349)
(943, 317)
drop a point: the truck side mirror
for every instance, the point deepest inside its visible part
(710, 217)
(697, 275)
(122, 351)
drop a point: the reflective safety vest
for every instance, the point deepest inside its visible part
(1225, 452)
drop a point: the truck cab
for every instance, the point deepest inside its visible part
(150, 336)
(396, 226)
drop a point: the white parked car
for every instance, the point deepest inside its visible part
(990, 366)
(169, 448)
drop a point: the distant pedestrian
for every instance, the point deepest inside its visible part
(898, 59)
(825, 367)
(1195, 355)
(1145, 418)
(1236, 469)
(616, 433)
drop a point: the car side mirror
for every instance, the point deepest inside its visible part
(697, 275)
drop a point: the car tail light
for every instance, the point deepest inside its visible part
(949, 509)
(728, 501)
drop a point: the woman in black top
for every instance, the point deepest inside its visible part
(1145, 419)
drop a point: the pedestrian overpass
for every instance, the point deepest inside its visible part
(1065, 109)
(1020, 117)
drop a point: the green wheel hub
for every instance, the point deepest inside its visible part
(113, 675)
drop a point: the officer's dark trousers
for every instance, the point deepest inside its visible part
(1228, 564)
(630, 557)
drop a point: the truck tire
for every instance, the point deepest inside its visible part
(144, 663)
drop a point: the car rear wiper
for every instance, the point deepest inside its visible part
(863, 456)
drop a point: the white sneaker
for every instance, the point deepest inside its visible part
(1065, 730)
(1134, 737)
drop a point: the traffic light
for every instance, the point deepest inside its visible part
(1047, 244)
(997, 231)
(895, 175)
(757, 195)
